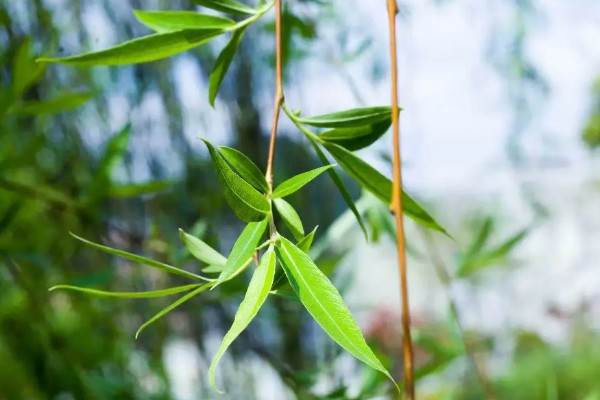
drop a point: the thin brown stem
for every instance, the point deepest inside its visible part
(278, 93)
(396, 207)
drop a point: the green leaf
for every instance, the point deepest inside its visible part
(243, 248)
(56, 105)
(222, 64)
(137, 189)
(290, 217)
(257, 293)
(170, 21)
(349, 118)
(201, 250)
(25, 70)
(379, 185)
(144, 49)
(297, 182)
(245, 167)
(247, 203)
(127, 295)
(358, 137)
(226, 6)
(305, 243)
(325, 304)
(213, 269)
(172, 306)
(142, 260)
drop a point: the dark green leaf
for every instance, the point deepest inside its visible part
(350, 118)
(325, 304)
(258, 290)
(170, 21)
(358, 137)
(245, 167)
(201, 250)
(290, 217)
(128, 295)
(247, 203)
(222, 65)
(297, 182)
(56, 105)
(227, 6)
(25, 70)
(305, 243)
(243, 249)
(144, 49)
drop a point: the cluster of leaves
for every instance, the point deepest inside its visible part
(252, 199)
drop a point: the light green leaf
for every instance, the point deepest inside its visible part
(357, 137)
(137, 189)
(290, 217)
(325, 304)
(25, 70)
(257, 293)
(245, 167)
(297, 182)
(56, 105)
(243, 248)
(142, 260)
(172, 306)
(247, 203)
(170, 21)
(349, 118)
(226, 6)
(127, 295)
(305, 243)
(213, 269)
(222, 64)
(201, 250)
(144, 49)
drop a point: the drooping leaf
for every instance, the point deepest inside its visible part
(222, 64)
(349, 118)
(137, 189)
(61, 103)
(358, 137)
(325, 304)
(128, 295)
(170, 21)
(299, 181)
(257, 293)
(142, 260)
(172, 306)
(201, 250)
(245, 167)
(226, 6)
(290, 217)
(247, 203)
(144, 49)
(305, 243)
(243, 248)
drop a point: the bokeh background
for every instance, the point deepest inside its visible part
(500, 130)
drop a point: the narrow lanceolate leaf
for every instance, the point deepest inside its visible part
(305, 243)
(247, 203)
(324, 303)
(349, 118)
(222, 65)
(373, 181)
(358, 137)
(245, 167)
(257, 293)
(127, 295)
(137, 189)
(227, 6)
(142, 260)
(290, 217)
(201, 250)
(56, 105)
(170, 21)
(145, 49)
(243, 248)
(213, 269)
(297, 182)
(172, 306)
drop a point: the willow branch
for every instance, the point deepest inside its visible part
(396, 207)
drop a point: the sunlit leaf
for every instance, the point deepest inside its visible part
(245, 167)
(257, 293)
(297, 182)
(243, 248)
(227, 6)
(305, 243)
(358, 137)
(349, 118)
(144, 49)
(222, 65)
(247, 203)
(128, 295)
(213, 269)
(142, 260)
(170, 21)
(137, 189)
(201, 250)
(290, 217)
(55, 105)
